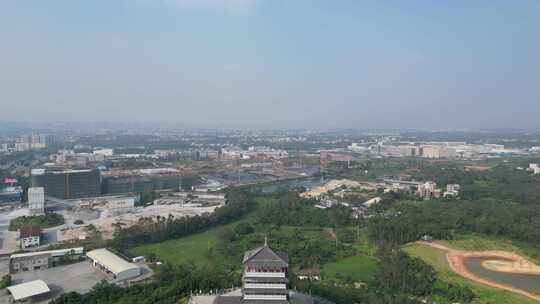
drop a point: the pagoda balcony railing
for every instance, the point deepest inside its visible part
(254, 274)
(266, 297)
(264, 286)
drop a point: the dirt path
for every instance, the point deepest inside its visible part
(456, 260)
(331, 232)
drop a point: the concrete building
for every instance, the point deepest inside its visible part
(452, 190)
(29, 261)
(30, 236)
(428, 190)
(142, 180)
(36, 200)
(68, 184)
(110, 263)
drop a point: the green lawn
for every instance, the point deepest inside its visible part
(357, 268)
(190, 248)
(485, 294)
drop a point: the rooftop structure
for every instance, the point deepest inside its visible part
(53, 253)
(111, 263)
(27, 290)
(30, 231)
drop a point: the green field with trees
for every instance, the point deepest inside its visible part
(44, 221)
(353, 269)
(484, 294)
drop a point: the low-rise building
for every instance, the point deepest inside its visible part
(25, 291)
(452, 190)
(428, 190)
(28, 261)
(110, 263)
(30, 236)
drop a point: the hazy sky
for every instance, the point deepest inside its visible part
(273, 63)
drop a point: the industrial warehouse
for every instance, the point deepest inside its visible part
(39, 276)
(109, 262)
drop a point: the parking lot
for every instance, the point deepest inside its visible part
(79, 277)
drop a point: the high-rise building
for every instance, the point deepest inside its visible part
(36, 200)
(68, 184)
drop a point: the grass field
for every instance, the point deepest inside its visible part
(485, 294)
(355, 269)
(192, 248)
(472, 242)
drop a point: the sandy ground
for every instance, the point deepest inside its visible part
(518, 266)
(106, 223)
(456, 260)
(331, 185)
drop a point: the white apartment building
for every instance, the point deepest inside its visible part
(36, 200)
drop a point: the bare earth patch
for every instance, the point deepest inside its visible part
(511, 262)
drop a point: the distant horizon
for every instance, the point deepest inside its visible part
(182, 126)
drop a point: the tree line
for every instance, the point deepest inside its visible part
(440, 220)
(150, 230)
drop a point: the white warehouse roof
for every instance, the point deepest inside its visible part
(28, 289)
(111, 261)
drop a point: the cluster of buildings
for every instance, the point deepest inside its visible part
(257, 153)
(33, 141)
(10, 193)
(140, 180)
(73, 159)
(225, 153)
(435, 150)
(114, 268)
(424, 190)
(80, 183)
(426, 151)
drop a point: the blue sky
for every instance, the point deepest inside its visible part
(273, 63)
